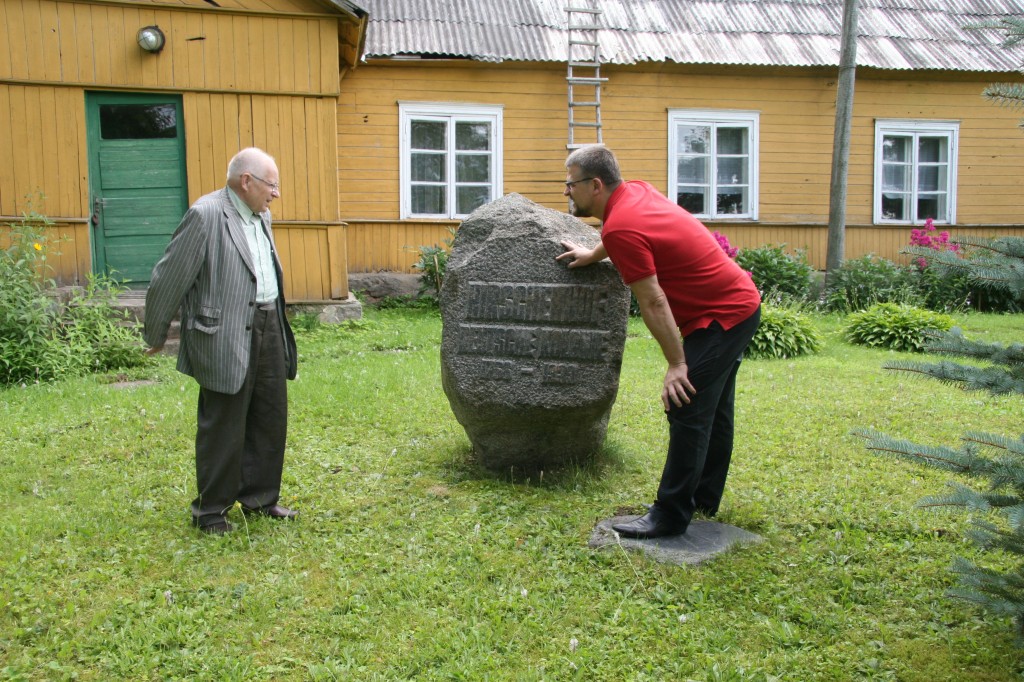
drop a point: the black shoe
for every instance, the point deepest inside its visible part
(219, 528)
(653, 524)
(274, 511)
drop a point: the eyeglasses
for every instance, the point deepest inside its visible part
(275, 186)
(571, 183)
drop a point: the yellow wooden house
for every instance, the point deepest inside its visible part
(727, 106)
(116, 115)
(393, 119)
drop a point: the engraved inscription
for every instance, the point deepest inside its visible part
(568, 373)
(544, 342)
(564, 373)
(544, 303)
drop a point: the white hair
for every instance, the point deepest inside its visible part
(249, 160)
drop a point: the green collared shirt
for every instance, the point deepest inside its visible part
(259, 247)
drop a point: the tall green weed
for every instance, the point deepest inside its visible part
(42, 339)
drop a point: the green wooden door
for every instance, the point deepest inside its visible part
(137, 184)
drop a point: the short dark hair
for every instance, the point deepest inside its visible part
(596, 161)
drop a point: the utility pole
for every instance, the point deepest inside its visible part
(841, 140)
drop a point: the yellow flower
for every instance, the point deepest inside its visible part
(37, 246)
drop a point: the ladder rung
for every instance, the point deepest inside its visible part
(576, 80)
(590, 65)
(584, 27)
(584, 125)
(588, 10)
(584, 104)
(588, 43)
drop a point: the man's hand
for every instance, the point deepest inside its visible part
(677, 386)
(577, 255)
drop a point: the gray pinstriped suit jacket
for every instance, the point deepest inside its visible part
(207, 272)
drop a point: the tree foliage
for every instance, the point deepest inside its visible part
(997, 462)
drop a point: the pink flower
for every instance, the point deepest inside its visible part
(924, 237)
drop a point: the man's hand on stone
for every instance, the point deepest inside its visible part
(577, 255)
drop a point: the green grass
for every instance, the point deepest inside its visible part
(410, 562)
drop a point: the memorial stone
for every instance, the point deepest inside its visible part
(530, 350)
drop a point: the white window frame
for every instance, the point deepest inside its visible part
(916, 129)
(451, 113)
(714, 118)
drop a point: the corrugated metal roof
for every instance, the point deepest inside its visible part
(893, 34)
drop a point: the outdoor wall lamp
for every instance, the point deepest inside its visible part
(150, 38)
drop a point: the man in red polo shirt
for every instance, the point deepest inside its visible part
(688, 290)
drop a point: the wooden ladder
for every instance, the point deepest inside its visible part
(584, 74)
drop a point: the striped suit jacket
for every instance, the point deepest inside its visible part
(207, 273)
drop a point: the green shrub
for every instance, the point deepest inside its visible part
(784, 332)
(862, 282)
(29, 349)
(43, 340)
(103, 337)
(948, 289)
(433, 262)
(895, 326)
(777, 273)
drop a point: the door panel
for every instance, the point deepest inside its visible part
(136, 179)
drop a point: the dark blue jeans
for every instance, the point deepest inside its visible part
(701, 431)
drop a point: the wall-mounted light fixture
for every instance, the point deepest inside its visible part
(150, 38)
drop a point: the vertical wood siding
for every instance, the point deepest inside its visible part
(796, 120)
(42, 145)
(280, 97)
(93, 44)
(67, 251)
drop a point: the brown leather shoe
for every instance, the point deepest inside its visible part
(274, 511)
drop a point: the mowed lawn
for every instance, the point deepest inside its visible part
(410, 562)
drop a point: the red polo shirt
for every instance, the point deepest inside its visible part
(646, 234)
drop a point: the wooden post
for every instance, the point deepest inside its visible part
(841, 140)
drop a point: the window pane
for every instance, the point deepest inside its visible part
(895, 148)
(931, 178)
(932, 206)
(895, 178)
(732, 140)
(428, 199)
(474, 136)
(731, 201)
(931, 150)
(732, 171)
(895, 206)
(693, 199)
(429, 135)
(693, 170)
(473, 168)
(428, 168)
(138, 121)
(469, 199)
(694, 139)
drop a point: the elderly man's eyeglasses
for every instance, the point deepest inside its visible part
(572, 183)
(275, 186)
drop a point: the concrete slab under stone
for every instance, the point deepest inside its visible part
(703, 540)
(332, 312)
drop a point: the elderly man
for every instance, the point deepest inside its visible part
(222, 271)
(686, 287)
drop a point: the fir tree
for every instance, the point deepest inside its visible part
(996, 461)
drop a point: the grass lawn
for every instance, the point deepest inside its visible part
(410, 562)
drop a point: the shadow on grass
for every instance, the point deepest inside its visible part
(573, 475)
